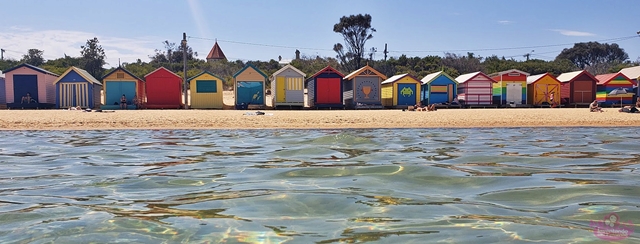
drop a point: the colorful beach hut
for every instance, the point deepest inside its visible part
(28, 86)
(163, 89)
(120, 82)
(206, 90)
(542, 88)
(249, 84)
(475, 89)
(77, 88)
(510, 87)
(361, 88)
(287, 87)
(633, 73)
(324, 89)
(438, 87)
(614, 88)
(401, 91)
(578, 87)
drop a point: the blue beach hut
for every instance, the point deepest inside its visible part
(438, 87)
(76, 87)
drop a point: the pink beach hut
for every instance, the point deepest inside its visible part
(475, 89)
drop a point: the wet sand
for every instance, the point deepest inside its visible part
(311, 119)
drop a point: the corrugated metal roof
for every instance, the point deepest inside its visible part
(398, 77)
(603, 78)
(430, 77)
(631, 72)
(566, 77)
(205, 72)
(83, 73)
(325, 69)
(216, 52)
(253, 67)
(31, 67)
(288, 66)
(162, 67)
(509, 71)
(465, 77)
(123, 69)
(360, 70)
(533, 78)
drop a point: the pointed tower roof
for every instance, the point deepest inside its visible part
(216, 53)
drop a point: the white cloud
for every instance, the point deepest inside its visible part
(505, 22)
(573, 33)
(56, 43)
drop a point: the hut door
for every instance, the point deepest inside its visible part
(328, 91)
(73, 94)
(514, 93)
(582, 91)
(280, 89)
(406, 94)
(23, 84)
(450, 92)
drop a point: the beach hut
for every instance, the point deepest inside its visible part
(578, 87)
(475, 89)
(542, 88)
(118, 82)
(206, 90)
(614, 88)
(28, 86)
(163, 89)
(287, 87)
(3, 96)
(401, 91)
(249, 84)
(324, 89)
(438, 87)
(361, 88)
(510, 87)
(77, 88)
(633, 73)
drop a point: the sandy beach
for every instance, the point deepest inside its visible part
(310, 119)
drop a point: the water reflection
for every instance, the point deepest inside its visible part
(323, 186)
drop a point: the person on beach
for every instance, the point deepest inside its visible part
(638, 103)
(594, 107)
(551, 96)
(123, 102)
(431, 107)
(420, 107)
(28, 99)
(628, 109)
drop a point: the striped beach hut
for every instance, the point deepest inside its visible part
(28, 86)
(163, 89)
(206, 90)
(324, 89)
(438, 87)
(475, 88)
(249, 84)
(76, 87)
(118, 82)
(633, 73)
(361, 88)
(614, 88)
(287, 87)
(401, 91)
(542, 88)
(578, 87)
(510, 87)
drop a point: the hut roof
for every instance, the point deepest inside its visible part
(466, 77)
(83, 73)
(288, 66)
(216, 52)
(162, 67)
(202, 73)
(41, 70)
(507, 72)
(121, 69)
(604, 78)
(363, 69)
(246, 67)
(430, 77)
(567, 77)
(328, 68)
(398, 77)
(631, 72)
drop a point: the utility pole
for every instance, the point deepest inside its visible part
(1, 54)
(184, 70)
(385, 52)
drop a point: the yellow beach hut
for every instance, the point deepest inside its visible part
(543, 89)
(206, 91)
(400, 91)
(287, 85)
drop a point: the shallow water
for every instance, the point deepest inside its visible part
(327, 186)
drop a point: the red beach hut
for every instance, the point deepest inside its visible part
(578, 87)
(324, 89)
(163, 89)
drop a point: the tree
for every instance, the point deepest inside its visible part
(33, 57)
(463, 64)
(172, 54)
(93, 58)
(595, 57)
(356, 31)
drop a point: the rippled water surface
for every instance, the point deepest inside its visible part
(323, 186)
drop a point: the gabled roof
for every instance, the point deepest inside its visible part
(605, 78)
(398, 77)
(41, 70)
(533, 78)
(288, 66)
(216, 52)
(360, 70)
(507, 72)
(246, 67)
(430, 77)
(466, 77)
(567, 77)
(121, 69)
(162, 67)
(631, 72)
(83, 73)
(204, 72)
(328, 68)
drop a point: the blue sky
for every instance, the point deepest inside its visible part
(248, 30)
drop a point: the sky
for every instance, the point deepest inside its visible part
(262, 30)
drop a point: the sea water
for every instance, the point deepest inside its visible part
(537, 185)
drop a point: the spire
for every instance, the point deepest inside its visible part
(216, 53)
